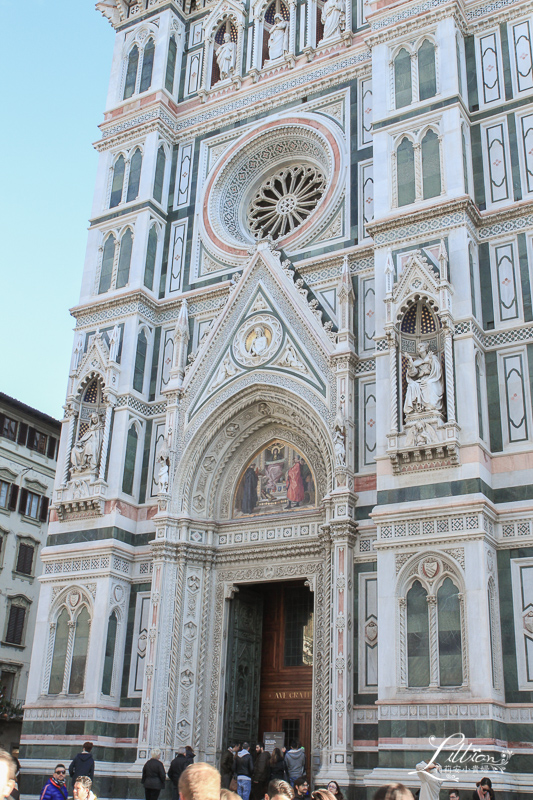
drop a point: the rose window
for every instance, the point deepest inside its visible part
(285, 200)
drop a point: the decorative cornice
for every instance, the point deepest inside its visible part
(99, 311)
(321, 75)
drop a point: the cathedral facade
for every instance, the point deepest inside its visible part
(294, 487)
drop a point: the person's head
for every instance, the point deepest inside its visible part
(453, 794)
(156, 753)
(277, 788)
(485, 784)
(393, 791)
(7, 774)
(301, 785)
(295, 744)
(225, 794)
(259, 747)
(82, 788)
(59, 773)
(276, 756)
(87, 747)
(199, 781)
(334, 788)
(246, 746)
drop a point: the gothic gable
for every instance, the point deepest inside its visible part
(266, 328)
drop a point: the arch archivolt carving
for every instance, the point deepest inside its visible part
(212, 463)
(431, 568)
(73, 598)
(316, 571)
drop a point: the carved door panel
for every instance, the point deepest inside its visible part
(243, 674)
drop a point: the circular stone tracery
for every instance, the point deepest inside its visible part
(285, 200)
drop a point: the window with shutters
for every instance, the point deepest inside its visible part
(26, 552)
(40, 442)
(16, 618)
(5, 490)
(9, 428)
(31, 506)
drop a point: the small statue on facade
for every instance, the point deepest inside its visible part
(332, 18)
(225, 55)
(85, 453)
(278, 40)
(162, 477)
(425, 388)
(340, 448)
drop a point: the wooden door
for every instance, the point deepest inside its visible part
(286, 664)
(243, 672)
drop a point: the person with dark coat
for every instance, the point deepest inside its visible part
(54, 788)
(82, 764)
(177, 766)
(154, 776)
(226, 765)
(190, 755)
(278, 766)
(483, 790)
(243, 768)
(249, 492)
(261, 773)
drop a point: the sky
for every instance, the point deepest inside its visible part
(55, 64)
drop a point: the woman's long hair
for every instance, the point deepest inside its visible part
(338, 794)
(394, 791)
(276, 756)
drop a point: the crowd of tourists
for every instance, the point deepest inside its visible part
(243, 775)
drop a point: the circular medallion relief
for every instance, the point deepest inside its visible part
(257, 340)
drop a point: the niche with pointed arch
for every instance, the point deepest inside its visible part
(277, 478)
(420, 325)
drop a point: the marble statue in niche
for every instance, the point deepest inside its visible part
(85, 454)
(425, 388)
(278, 40)
(332, 18)
(277, 479)
(225, 55)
